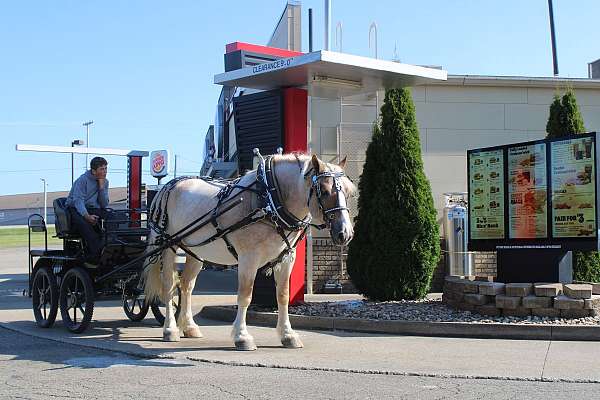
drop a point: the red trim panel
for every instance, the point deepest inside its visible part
(255, 48)
(295, 138)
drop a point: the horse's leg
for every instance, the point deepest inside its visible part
(170, 330)
(247, 268)
(186, 322)
(288, 337)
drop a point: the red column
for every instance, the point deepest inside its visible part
(295, 139)
(134, 184)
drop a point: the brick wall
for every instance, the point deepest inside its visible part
(326, 266)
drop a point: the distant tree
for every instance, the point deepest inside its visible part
(565, 119)
(396, 237)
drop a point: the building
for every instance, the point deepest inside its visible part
(461, 113)
(15, 209)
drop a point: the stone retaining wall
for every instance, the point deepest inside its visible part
(485, 297)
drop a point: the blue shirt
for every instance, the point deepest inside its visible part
(85, 193)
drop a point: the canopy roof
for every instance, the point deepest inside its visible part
(330, 74)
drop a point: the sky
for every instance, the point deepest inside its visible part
(143, 70)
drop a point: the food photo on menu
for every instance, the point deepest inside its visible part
(527, 190)
(486, 194)
(573, 188)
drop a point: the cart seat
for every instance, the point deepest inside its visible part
(63, 220)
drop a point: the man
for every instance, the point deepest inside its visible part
(86, 203)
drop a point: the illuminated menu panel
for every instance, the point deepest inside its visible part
(527, 191)
(486, 195)
(573, 188)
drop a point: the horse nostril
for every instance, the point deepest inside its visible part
(340, 236)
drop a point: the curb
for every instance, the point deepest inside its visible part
(415, 328)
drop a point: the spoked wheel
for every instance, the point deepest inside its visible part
(135, 305)
(158, 308)
(44, 296)
(76, 300)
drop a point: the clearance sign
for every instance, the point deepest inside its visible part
(534, 193)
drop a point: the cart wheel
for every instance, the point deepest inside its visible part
(158, 308)
(135, 306)
(76, 300)
(44, 297)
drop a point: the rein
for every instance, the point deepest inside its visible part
(266, 187)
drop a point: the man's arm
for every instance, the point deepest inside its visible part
(79, 197)
(103, 193)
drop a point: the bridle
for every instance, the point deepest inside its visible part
(315, 187)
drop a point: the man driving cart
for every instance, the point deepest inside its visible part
(87, 203)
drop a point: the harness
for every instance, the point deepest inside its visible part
(270, 209)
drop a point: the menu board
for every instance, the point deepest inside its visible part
(527, 188)
(486, 195)
(573, 188)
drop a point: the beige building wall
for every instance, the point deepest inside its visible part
(456, 116)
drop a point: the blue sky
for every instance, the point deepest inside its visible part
(143, 70)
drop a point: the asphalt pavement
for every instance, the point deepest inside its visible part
(333, 364)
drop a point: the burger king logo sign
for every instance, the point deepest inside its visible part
(159, 163)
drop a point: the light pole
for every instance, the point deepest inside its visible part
(76, 142)
(45, 199)
(87, 138)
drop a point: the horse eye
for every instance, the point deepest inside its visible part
(331, 216)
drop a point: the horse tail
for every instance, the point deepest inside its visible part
(152, 274)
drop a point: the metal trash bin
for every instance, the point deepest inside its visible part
(456, 227)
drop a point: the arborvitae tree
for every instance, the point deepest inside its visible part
(565, 119)
(396, 238)
(570, 117)
(554, 126)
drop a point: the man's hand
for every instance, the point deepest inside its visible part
(101, 182)
(92, 219)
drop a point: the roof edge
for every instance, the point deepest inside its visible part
(519, 81)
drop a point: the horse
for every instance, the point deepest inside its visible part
(278, 201)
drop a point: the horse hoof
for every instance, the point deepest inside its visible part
(292, 342)
(192, 332)
(171, 335)
(245, 345)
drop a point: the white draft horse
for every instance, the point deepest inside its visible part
(310, 192)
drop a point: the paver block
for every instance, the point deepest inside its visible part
(491, 288)
(595, 286)
(503, 301)
(489, 310)
(484, 278)
(532, 301)
(548, 289)
(518, 289)
(546, 312)
(454, 296)
(465, 307)
(516, 312)
(578, 290)
(579, 313)
(476, 299)
(471, 287)
(593, 303)
(566, 303)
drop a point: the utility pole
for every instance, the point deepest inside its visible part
(45, 200)
(87, 139)
(175, 169)
(553, 37)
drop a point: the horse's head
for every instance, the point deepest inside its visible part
(329, 190)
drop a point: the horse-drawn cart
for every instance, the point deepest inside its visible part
(61, 279)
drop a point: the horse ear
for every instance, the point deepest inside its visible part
(342, 163)
(317, 165)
